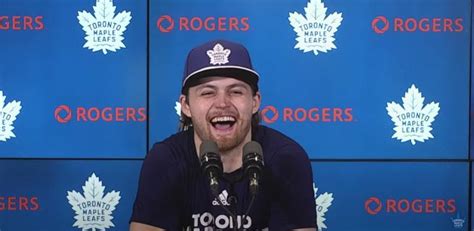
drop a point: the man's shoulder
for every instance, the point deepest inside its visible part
(272, 137)
(275, 142)
(179, 139)
(173, 148)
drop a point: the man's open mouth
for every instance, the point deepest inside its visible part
(223, 122)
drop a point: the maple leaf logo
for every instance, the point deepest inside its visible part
(104, 29)
(93, 210)
(413, 121)
(458, 222)
(323, 202)
(177, 107)
(315, 32)
(218, 55)
(8, 115)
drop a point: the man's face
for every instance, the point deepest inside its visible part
(221, 110)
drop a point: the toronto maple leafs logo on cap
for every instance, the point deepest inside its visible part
(220, 63)
(218, 55)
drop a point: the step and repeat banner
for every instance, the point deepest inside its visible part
(376, 91)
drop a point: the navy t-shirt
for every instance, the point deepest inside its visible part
(173, 194)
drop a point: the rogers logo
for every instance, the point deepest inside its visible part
(165, 19)
(166, 23)
(271, 114)
(265, 116)
(21, 23)
(381, 24)
(380, 20)
(374, 206)
(14, 203)
(64, 114)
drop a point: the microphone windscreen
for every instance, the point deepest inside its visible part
(252, 147)
(208, 146)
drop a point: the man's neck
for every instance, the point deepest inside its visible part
(232, 159)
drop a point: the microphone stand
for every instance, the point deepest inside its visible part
(248, 209)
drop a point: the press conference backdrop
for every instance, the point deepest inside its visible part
(376, 91)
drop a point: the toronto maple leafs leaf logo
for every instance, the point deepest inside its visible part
(93, 209)
(315, 32)
(458, 222)
(218, 55)
(8, 115)
(104, 29)
(413, 121)
(323, 202)
(177, 107)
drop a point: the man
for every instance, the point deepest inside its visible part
(220, 102)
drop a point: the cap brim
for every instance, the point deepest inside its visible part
(241, 73)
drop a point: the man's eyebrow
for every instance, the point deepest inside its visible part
(237, 85)
(205, 85)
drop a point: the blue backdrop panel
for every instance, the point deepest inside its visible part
(472, 201)
(335, 102)
(472, 191)
(75, 102)
(471, 114)
(392, 196)
(34, 193)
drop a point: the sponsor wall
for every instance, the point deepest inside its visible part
(377, 92)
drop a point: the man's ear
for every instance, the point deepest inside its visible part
(184, 106)
(257, 99)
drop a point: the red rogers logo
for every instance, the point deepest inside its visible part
(381, 24)
(377, 21)
(271, 109)
(374, 206)
(166, 23)
(64, 114)
(271, 114)
(167, 20)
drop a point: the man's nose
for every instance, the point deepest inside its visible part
(222, 100)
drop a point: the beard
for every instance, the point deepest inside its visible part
(224, 143)
(227, 143)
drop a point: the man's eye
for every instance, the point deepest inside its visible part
(204, 93)
(236, 92)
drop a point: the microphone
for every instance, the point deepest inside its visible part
(211, 164)
(252, 161)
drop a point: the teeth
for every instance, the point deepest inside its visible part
(223, 119)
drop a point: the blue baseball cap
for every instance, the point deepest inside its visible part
(219, 58)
